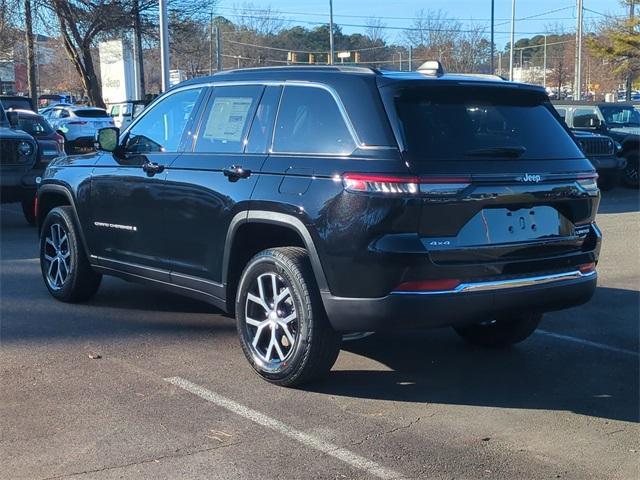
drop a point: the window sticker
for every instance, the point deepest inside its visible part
(227, 118)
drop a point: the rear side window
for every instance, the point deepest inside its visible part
(91, 113)
(227, 119)
(309, 122)
(463, 123)
(34, 126)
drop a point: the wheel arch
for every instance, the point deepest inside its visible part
(275, 230)
(51, 196)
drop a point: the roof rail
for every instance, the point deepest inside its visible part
(324, 68)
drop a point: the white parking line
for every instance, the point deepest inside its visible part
(348, 457)
(589, 343)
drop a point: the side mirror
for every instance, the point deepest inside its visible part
(107, 139)
(12, 117)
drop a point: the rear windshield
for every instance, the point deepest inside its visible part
(34, 126)
(91, 113)
(479, 123)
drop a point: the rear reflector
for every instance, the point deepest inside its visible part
(587, 267)
(428, 285)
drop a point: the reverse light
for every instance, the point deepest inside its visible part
(428, 285)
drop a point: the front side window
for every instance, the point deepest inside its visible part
(621, 116)
(451, 123)
(34, 126)
(585, 118)
(161, 128)
(309, 122)
(227, 119)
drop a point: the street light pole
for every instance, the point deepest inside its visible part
(164, 45)
(330, 32)
(544, 63)
(513, 26)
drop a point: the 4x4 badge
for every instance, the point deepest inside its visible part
(527, 177)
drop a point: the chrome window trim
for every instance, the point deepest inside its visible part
(505, 284)
(282, 83)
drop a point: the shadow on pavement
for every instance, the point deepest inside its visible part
(541, 373)
(620, 200)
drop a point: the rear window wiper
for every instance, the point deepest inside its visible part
(511, 152)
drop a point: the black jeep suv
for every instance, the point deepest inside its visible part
(313, 201)
(19, 166)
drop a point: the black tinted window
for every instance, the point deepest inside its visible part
(91, 113)
(585, 117)
(309, 121)
(260, 136)
(161, 128)
(34, 126)
(227, 119)
(463, 123)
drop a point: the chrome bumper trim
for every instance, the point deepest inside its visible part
(505, 284)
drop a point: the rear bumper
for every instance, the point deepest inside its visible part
(468, 303)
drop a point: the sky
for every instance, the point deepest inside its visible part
(469, 12)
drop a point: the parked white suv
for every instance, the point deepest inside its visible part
(79, 125)
(124, 113)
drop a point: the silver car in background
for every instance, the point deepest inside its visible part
(78, 125)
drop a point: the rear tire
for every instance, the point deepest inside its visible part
(28, 209)
(281, 322)
(502, 332)
(65, 268)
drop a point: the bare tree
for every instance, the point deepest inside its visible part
(376, 30)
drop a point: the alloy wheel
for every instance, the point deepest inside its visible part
(271, 319)
(57, 256)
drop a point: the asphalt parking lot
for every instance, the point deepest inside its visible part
(173, 397)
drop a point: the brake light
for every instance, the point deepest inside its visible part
(428, 285)
(391, 184)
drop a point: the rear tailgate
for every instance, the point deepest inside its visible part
(501, 178)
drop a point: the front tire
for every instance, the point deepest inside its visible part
(501, 332)
(283, 329)
(65, 268)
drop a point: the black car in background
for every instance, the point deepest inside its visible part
(605, 155)
(313, 201)
(17, 102)
(620, 121)
(18, 164)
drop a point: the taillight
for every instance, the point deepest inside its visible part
(390, 184)
(443, 185)
(587, 267)
(403, 184)
(445, 284)
(77, 123)
(588, 181)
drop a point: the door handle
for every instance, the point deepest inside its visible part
(236, 172)
(151, 168)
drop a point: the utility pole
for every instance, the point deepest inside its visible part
(211, 43)
(513, 27)
(330, 32)
(218, 50)
(410, 58)
(577, 88)
(164, 45)
(31, 63)
(629, 82)
(544, 63)
(492, 44)
(137, 49)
